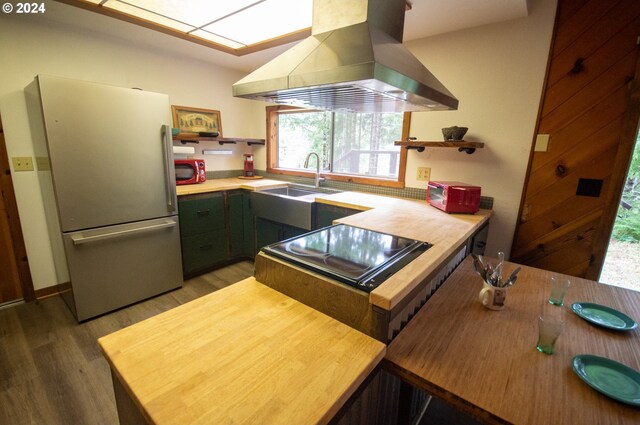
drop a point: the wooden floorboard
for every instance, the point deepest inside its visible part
(51, 368)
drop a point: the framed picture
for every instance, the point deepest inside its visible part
(196, 120)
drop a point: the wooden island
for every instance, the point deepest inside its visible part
(383, 312)
(245, 354)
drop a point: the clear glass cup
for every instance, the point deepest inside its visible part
(559, 287)
(550, 325)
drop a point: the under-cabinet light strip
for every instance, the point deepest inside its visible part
(217, 152)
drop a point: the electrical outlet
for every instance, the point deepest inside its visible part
(424, 174)
(22, 163)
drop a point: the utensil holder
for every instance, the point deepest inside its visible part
(491, 297)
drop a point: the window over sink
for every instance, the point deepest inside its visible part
(353, 147)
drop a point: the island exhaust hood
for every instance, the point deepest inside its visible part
(354, 60)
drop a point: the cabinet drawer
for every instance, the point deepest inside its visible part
(203, 251)
(201, 214)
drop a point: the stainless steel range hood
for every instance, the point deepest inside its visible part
(354, 60)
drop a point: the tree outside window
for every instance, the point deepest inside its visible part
(352, 146)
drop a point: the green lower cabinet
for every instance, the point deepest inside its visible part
(249, 227)
(291, 231)
(201, 213)
(235, 207)
(242, 240)
(215, 228)
(327, 213)
(203, 232)
(268, 232)
(202, 252)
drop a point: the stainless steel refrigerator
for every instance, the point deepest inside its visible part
(105, 166)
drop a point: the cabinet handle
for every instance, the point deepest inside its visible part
(206, 247)
(203, 212)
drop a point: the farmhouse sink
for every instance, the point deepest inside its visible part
(292, 205)
(290, 191)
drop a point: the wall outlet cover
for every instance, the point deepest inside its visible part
(22, 163)
(424, 174)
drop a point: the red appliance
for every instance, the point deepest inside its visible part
(248, 165)
(190, 171)
(454, 197)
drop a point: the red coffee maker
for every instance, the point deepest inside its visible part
(248, 165)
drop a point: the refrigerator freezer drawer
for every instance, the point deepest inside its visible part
(115, 266)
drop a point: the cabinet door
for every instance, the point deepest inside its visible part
(203, 251)
(291, 231)
(201, 213)
(267, 232)
(478, 241)
(235, 204)
(327, 213)
(249, 226)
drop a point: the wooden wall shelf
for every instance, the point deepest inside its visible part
(185, 138)
(462, 145)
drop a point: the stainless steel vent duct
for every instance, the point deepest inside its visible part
(354, 60)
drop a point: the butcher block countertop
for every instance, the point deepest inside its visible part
(243, 354)
(216, 185)
(410, 218)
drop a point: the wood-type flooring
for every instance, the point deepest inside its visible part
(51, 368)
(53, 373)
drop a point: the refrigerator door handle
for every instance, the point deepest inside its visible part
(167, 144)
(79, 239)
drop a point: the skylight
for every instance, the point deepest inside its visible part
(235, 24)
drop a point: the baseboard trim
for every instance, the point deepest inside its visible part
(49, 291)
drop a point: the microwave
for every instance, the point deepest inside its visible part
(189, 171)
(453, 197)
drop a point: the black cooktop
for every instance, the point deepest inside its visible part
(359, 257)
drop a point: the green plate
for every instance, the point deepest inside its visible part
(604, 316)
(609, 377)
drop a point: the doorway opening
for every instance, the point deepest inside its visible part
(622, 262)
(15, 276)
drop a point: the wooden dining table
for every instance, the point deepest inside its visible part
(485, 362)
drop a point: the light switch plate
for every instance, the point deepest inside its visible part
(424, 174)
(542, 143)
(22, 163)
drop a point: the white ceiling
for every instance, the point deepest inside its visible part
(426, 18)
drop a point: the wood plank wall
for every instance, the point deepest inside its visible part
(584, 107)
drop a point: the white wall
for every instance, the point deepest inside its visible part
(497, 73)
(39, 44)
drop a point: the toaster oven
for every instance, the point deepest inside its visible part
(453, 197)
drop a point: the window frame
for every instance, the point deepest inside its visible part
(272, 154)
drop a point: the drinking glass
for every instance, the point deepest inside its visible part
(559, 287)
(550, 325)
